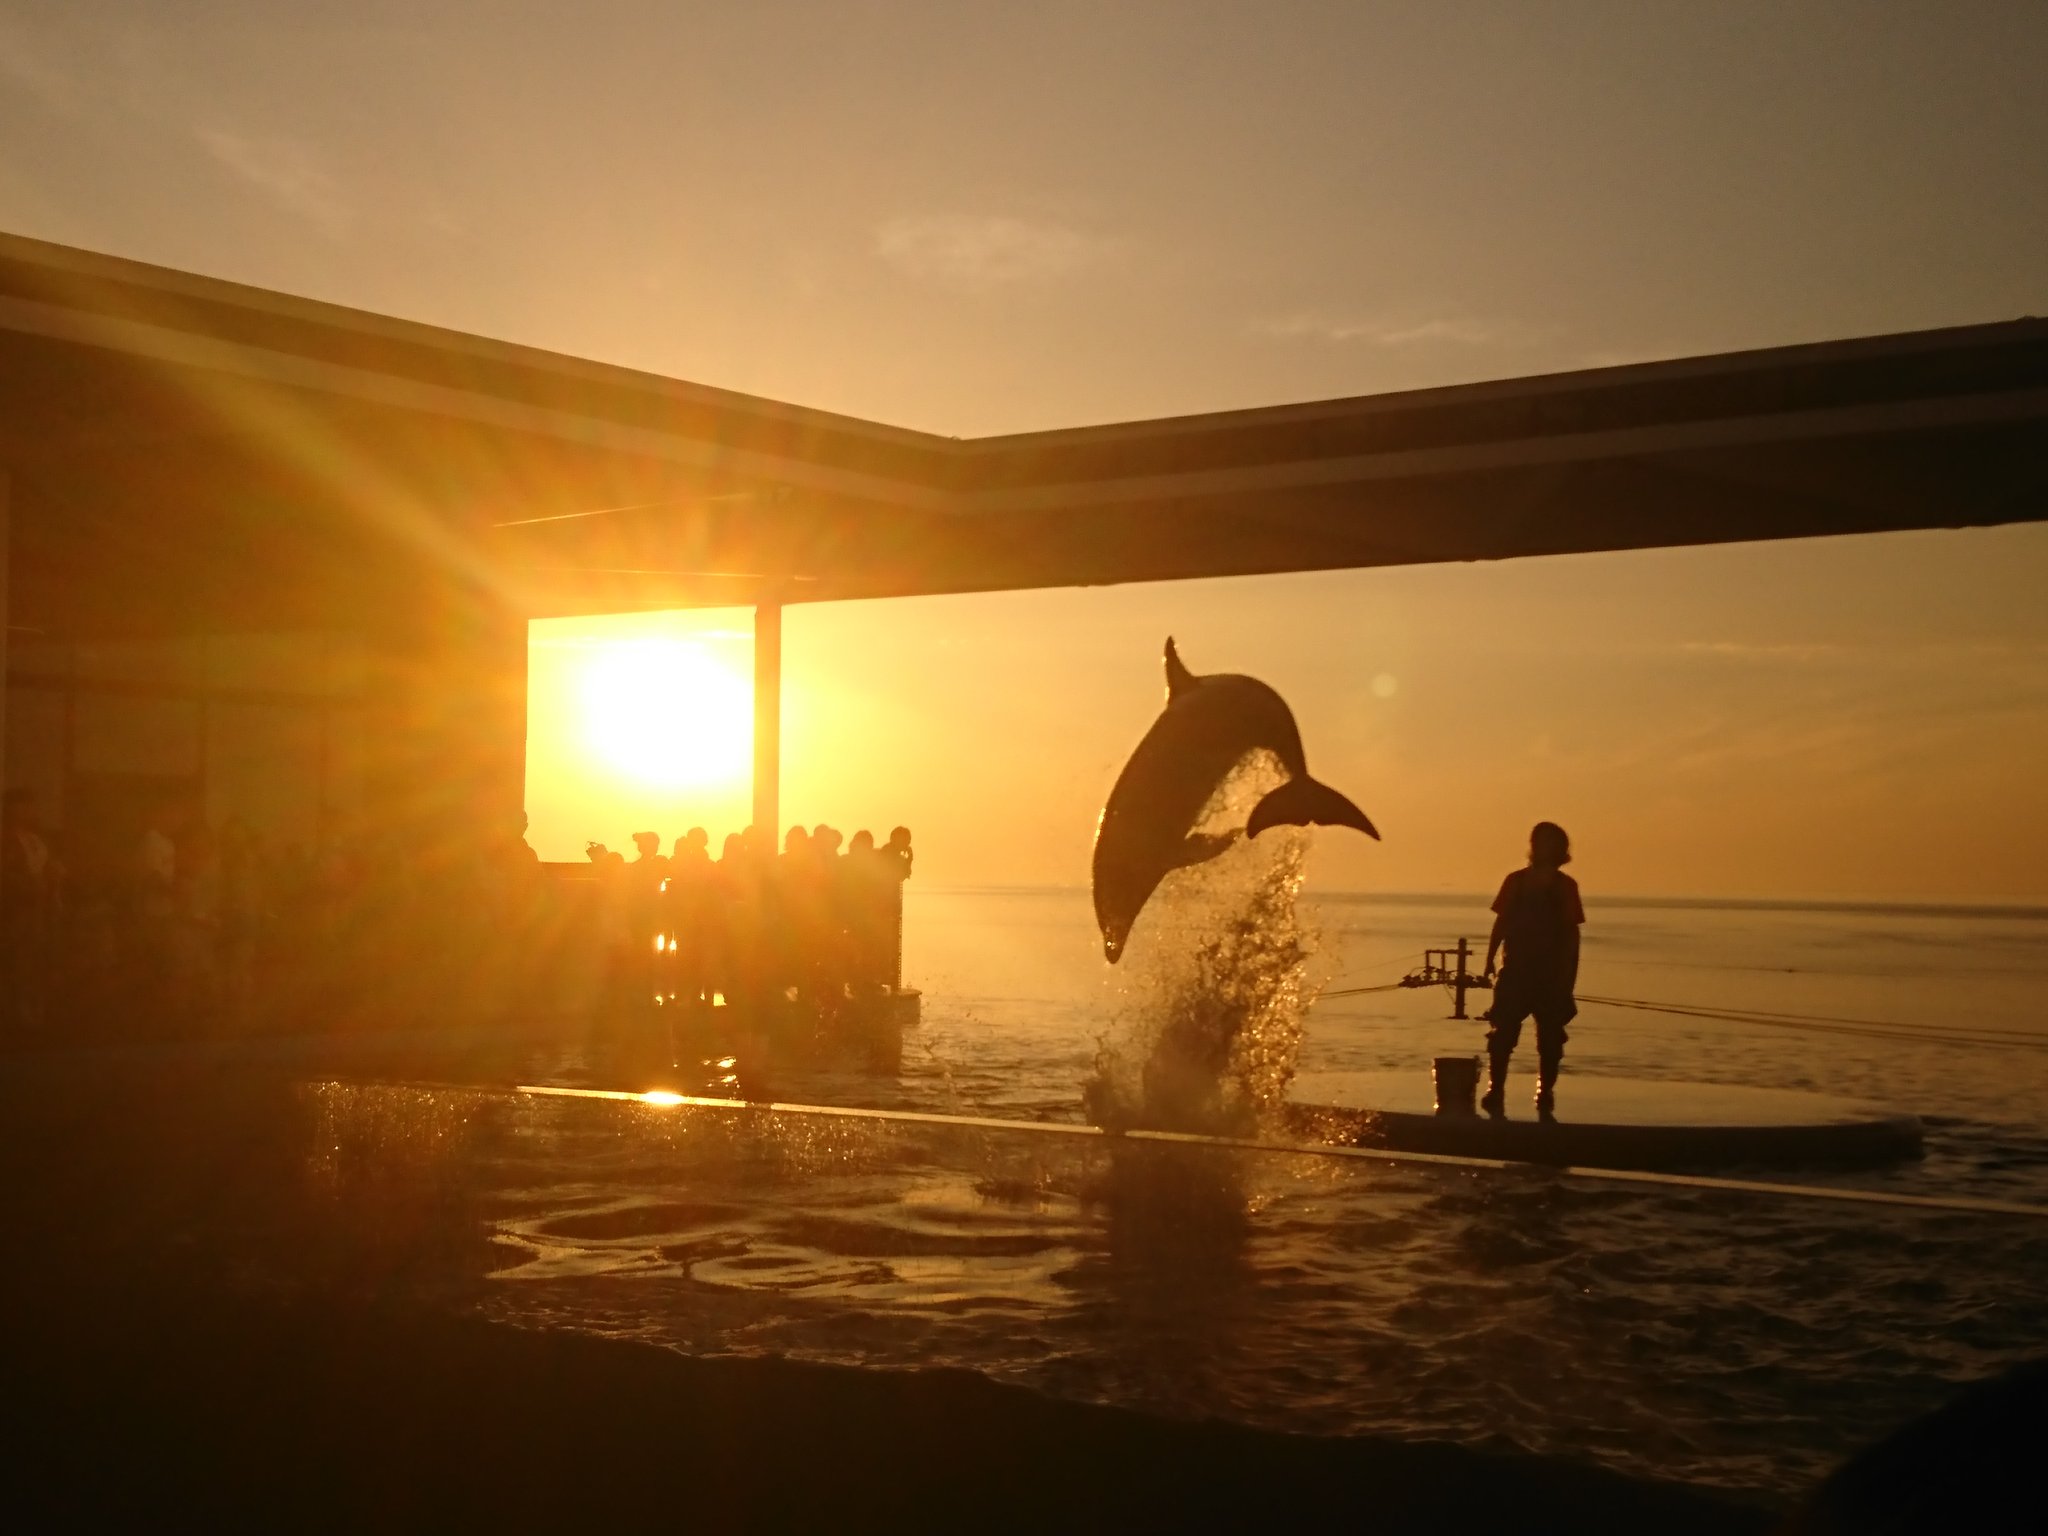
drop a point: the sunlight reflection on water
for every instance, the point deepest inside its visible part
(1712, 1337)
(1737, 1339)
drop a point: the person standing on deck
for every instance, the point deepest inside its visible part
(154, 879)
(897, 858)
(624, 992)
(1537, 916)
(29, 884)
(688, 916)
(649, 884)
(867, 907)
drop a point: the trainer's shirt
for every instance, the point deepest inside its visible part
(1539, 909)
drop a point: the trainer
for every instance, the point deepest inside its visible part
(1536, 918)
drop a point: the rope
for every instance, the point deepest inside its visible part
(1386, 986)
(1781, 1013)
(1895, 1031)
(1828, 1024)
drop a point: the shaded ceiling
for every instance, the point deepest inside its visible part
(186, 453)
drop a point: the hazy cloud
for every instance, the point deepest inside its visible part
(22, 65)
(1743, 650)
(976, 252)
(286, 173)
(1442, 330)
(1938, 653)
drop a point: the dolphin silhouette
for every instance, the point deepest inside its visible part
(1209, 726)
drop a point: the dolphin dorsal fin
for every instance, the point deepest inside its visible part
(1178, 678)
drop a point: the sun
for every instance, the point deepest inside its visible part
(666, 712)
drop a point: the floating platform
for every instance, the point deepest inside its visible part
(1608, 1122)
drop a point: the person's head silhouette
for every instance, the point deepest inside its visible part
(1549, 847)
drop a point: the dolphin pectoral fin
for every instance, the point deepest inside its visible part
(1178, 678)
(1200, 847)
(1305, 802)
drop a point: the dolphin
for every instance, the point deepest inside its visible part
(1209, 726)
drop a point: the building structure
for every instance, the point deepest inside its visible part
(278, 553)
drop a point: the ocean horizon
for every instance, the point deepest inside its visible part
(2026, 909)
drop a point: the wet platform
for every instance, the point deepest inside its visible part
(1609, 1122)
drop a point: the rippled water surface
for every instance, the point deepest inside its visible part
(1739, 1339)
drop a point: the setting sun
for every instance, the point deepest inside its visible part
(638, 721)
(666, 712)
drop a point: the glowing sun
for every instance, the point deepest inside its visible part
(665, 712)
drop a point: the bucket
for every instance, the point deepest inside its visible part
(1457, 1085)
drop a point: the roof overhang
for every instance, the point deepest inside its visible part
(187, 451)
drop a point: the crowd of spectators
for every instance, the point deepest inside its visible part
(187, 928)
(819, 922)
(171, 935)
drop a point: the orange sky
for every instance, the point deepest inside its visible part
(975, 218)
(1858, 717)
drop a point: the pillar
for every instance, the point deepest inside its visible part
(768, 722)
(6, 542)
(444, 759)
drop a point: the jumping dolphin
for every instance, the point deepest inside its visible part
(1209, 726)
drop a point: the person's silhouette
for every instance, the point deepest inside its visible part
(1536, 918)
(898, 848)
(29, 882)
(688, 916)
(649, 860)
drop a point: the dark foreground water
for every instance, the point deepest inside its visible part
(1740, 1340)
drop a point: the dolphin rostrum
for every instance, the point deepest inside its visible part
(1209, 726)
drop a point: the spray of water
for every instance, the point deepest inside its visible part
(1207, 1023)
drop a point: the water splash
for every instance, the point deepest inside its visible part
(1209, 1023)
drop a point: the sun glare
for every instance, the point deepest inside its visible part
(665, 712)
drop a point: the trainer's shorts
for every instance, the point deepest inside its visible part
(1514, 1001)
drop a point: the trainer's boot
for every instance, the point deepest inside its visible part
(1546, 1087)
(1495, 1101)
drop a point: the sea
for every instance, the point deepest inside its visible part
(1748, 1339)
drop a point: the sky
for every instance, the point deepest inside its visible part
(982, 218)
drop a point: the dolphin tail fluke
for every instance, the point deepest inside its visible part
(1304, 802)
(1178, 678)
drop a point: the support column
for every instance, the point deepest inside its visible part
(768, 723)
(445, 734)
(6, 542)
